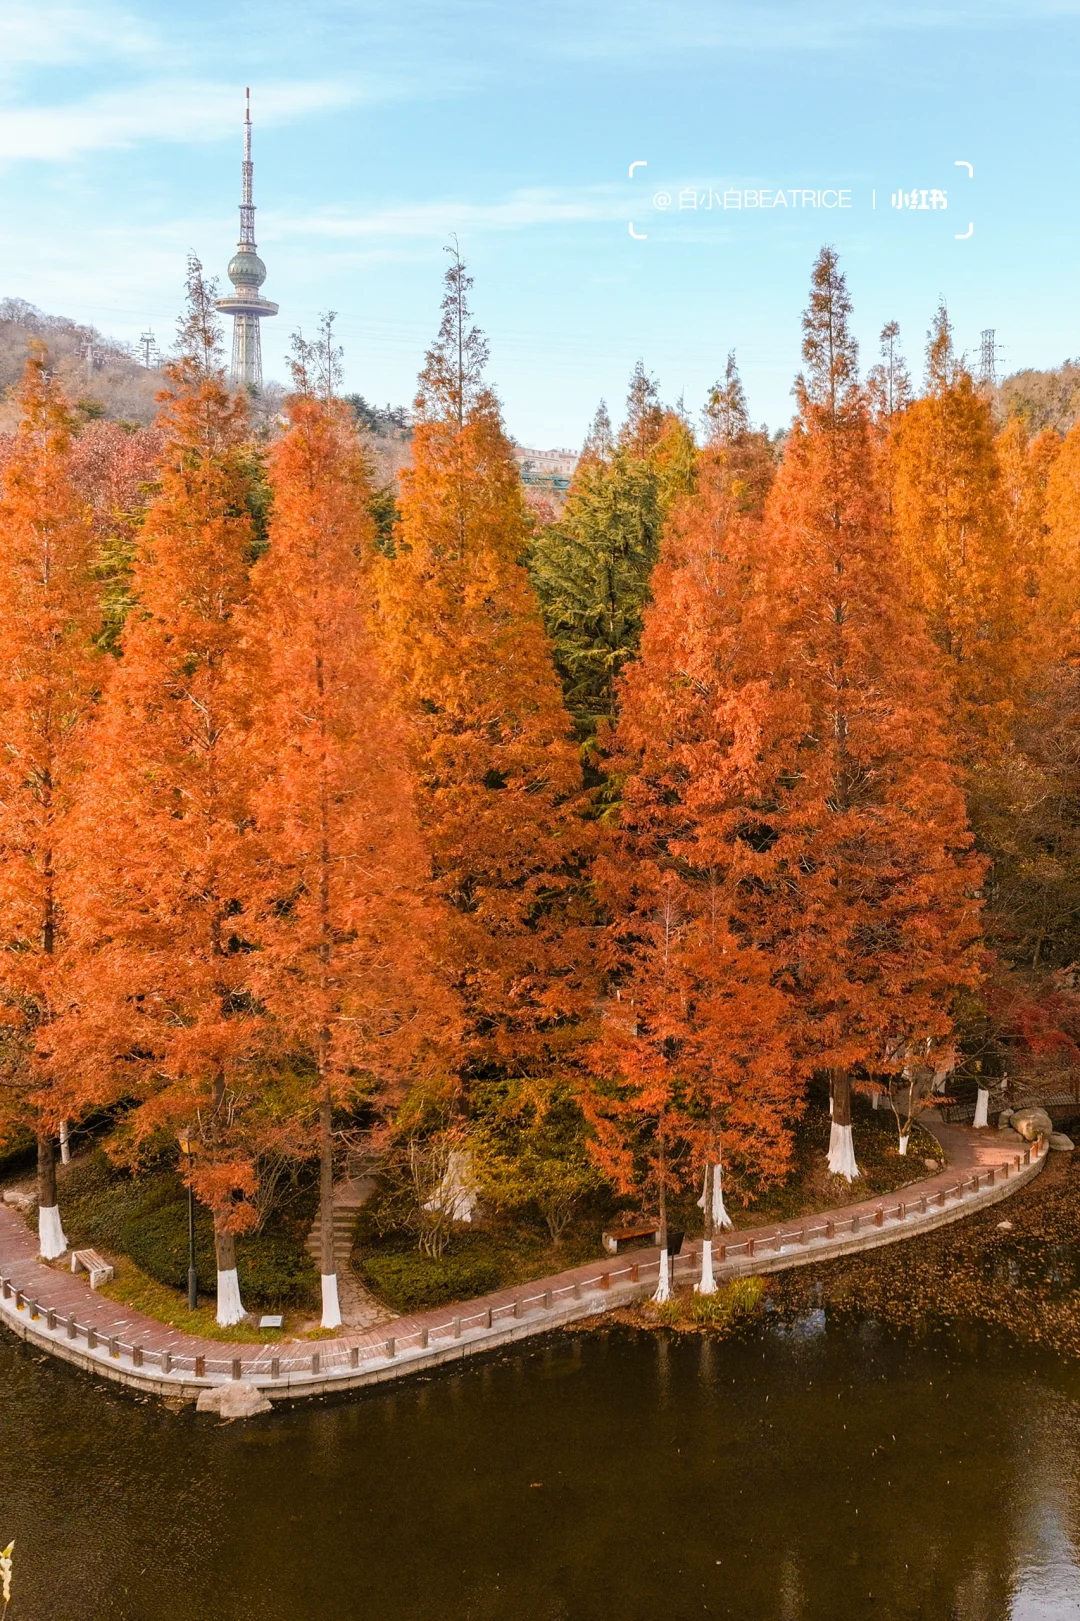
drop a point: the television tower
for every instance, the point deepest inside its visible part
(247, 273)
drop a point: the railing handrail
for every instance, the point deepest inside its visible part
(327, 1360)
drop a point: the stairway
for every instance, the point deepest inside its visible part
(358, 1308)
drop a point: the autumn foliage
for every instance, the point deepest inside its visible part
(587, 846)
(498, 779)
(346, 929)
(48, 684)
(167, 1016)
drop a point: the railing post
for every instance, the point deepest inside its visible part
(879, 1216)
(136, 1356)
(635, 1272)
(487, 1316)
(200, 1367)
(275, 1367)
(114, 1345)
(236, 1367)
(425, 1336)
(391, 1348)
(315, 1362)
(72, 1326)
(166, 1361)
(50, 1318)
(605, 1280)
(547, 1300)
(456, 1331)
(91, 1339)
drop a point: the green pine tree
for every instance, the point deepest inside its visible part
(591, 567)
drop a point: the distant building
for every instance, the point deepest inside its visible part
(546, 469)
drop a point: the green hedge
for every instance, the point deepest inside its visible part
(146, 1218)
(409, 1282)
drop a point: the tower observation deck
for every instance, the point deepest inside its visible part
(247, 273)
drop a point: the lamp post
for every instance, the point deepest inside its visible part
(187, 1147)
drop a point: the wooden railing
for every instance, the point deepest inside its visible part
(330, 1362)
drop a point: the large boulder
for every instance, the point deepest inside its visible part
(1060, 1141)
(1032, 1124)
(237, 1399)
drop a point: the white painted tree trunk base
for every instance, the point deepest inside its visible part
(707, 1285)
(830, 1108)
(981, 1102)
(874, 1099)
(65, 1144)
(230, 1308)
(720, 1216)
(331, 1306)
(903, 1143)
(663, 1283)
(842, 1152)
(51, 1240)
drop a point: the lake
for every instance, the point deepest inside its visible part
(816, 1472)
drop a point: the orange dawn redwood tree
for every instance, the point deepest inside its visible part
(167, 1017)
(957, 546)
(348, 945)
(498, 775)
(695, 1050)
(49, 614)
(873, 911)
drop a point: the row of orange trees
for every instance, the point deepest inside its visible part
(293, 820)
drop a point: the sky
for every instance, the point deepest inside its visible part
(759, 130)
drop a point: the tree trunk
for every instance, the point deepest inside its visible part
(707, 1284)
(230, 1308)
(51, 1240)
(981, 1107)
(331, 1308)
(841, 1147)
(663, 1282)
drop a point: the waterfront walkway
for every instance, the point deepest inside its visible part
(56, 1311)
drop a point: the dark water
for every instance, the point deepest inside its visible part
(822, 1474)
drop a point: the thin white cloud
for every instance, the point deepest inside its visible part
(521, 210)
(36, 33)
(182, 110)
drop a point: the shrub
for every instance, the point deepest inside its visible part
(146, 1217)
(411, 1281)
(668, 1312)
(273, 1269)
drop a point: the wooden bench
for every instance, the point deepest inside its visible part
(90, 1261)
(633, 1230)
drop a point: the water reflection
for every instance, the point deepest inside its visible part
(807, 1475)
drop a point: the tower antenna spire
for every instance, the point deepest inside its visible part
(247, 273)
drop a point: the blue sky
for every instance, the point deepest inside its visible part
(380, 128)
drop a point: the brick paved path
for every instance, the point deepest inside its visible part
(58, 1312)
